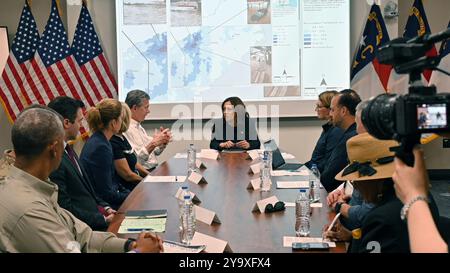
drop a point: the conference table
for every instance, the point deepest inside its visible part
(227, 195)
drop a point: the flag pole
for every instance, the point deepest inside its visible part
(58, 6)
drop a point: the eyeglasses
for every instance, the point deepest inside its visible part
(279, 206)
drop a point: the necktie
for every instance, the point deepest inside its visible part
(72, 157)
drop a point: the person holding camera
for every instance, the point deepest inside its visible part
(411, 187)
(371, 170)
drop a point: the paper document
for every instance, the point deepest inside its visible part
(137, 225)
(175, 247)
(172, 178)
(183, 155)
(289, 173)
(292, 184)
(287, 241)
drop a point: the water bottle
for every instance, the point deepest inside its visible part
(265, 174)
(302, 214)
(268, 155)
(191, 158)
(184, 192)
(188, 220)
(315, 185)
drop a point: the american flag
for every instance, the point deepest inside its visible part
(12, 94)
(88, 52)
(53, 70)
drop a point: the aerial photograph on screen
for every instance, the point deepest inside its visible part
(258, 11)
(186, 12)
(141, 12)
(261, 64)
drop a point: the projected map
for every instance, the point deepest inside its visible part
(180, 49)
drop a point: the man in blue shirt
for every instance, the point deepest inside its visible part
(342, 112)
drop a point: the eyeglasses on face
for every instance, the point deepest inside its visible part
(279, 206)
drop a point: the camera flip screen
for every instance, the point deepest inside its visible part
(431, 116)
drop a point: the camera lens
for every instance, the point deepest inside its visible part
(378, 116)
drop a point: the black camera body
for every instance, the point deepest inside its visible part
(391, 116)
(406, 117)
(422, 114)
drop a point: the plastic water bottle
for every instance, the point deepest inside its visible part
(184, 192)
(302, 215)
(191, 158)
(268, 155)
(188, 220)
(265, 174)
(315, 185)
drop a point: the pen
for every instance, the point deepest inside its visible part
(334, 221)
(139, 229)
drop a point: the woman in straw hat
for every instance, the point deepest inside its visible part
(371, 170)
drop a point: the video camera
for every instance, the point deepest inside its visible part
(406, 117)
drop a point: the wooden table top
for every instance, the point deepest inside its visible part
(227, 195)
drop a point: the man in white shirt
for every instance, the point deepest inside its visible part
(145, 146)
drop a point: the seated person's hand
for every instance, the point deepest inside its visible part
(338, 233)
(333, 197)
(109, 218)
(167, 133)
(148, 243)
(410, 182)
(160, 138)
(227, 145)
(110, 211)
(243, 144)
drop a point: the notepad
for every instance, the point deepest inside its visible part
(138, 225)
(137, 221)
(146, 214)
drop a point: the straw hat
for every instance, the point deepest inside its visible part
(370, 159)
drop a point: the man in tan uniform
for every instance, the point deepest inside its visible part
(30, 217)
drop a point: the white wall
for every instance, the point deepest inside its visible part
(297, 135)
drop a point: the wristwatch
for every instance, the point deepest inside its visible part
(404, 210)
(128, 244)
(338, 206)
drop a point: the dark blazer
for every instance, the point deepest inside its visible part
(337, 161)
(383, 225)
(76, 194)
(222, 131)
(328, 140)
(97, 159)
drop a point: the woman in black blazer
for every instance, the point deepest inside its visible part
(235, 131)
(104, 121)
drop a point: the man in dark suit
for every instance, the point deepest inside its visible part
(76, 193)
